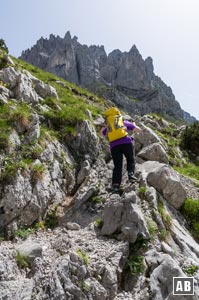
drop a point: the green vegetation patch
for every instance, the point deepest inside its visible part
(142, 191)
(99, 222)
(22, 161)
(67, 92)
(190, 211)
(166, 218)
(51, 219)
(135, 261)
(24, 233)
(38, 171)
(63, 114)
(84, 286)
(152, 228)
(83, 255)
(136, 264)
(191, 270)
(22, 261)
(163, 234)
(5, 126)
(3, 53)
(9, 114)
(10, 169)
(190, 170)
(190, 138)
(21, 113)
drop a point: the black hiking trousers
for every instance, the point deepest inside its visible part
(117, 153)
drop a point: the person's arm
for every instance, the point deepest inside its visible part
(137, 128)
(103, 131)
(132, 126)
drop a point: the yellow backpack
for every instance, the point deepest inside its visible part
(115, 125)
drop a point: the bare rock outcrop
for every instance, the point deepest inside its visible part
(124, 218)
(165, 180)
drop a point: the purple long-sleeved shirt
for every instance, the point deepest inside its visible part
(125, 140)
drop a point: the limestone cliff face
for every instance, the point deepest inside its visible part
(123, 77)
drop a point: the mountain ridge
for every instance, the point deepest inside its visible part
(122, 77)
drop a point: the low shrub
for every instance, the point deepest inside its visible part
(51, 219)
(190, 211)
(190, 138)
(166, 218)
(22, 261)
(83, 255)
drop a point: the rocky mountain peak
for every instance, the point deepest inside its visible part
(134, 51)
(122, 77)
(67, 36)
(149, 67)
(52, 37)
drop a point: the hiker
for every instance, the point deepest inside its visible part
(120, 144)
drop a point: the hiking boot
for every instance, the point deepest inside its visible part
(116, 188)
(132, 177)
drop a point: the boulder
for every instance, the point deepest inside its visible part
(30, 250)
(84, 171)
(165, 180)
(45, 90)
(155, 152)
(10, 76)
(161, 279)
(72, 226)
(109, 281)
(97, 291)
(33, 130)
(86, 142)
(124, 218)
(14, 141)
(24, 89)
(145, 138)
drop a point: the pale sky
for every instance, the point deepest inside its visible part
(166, 30)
